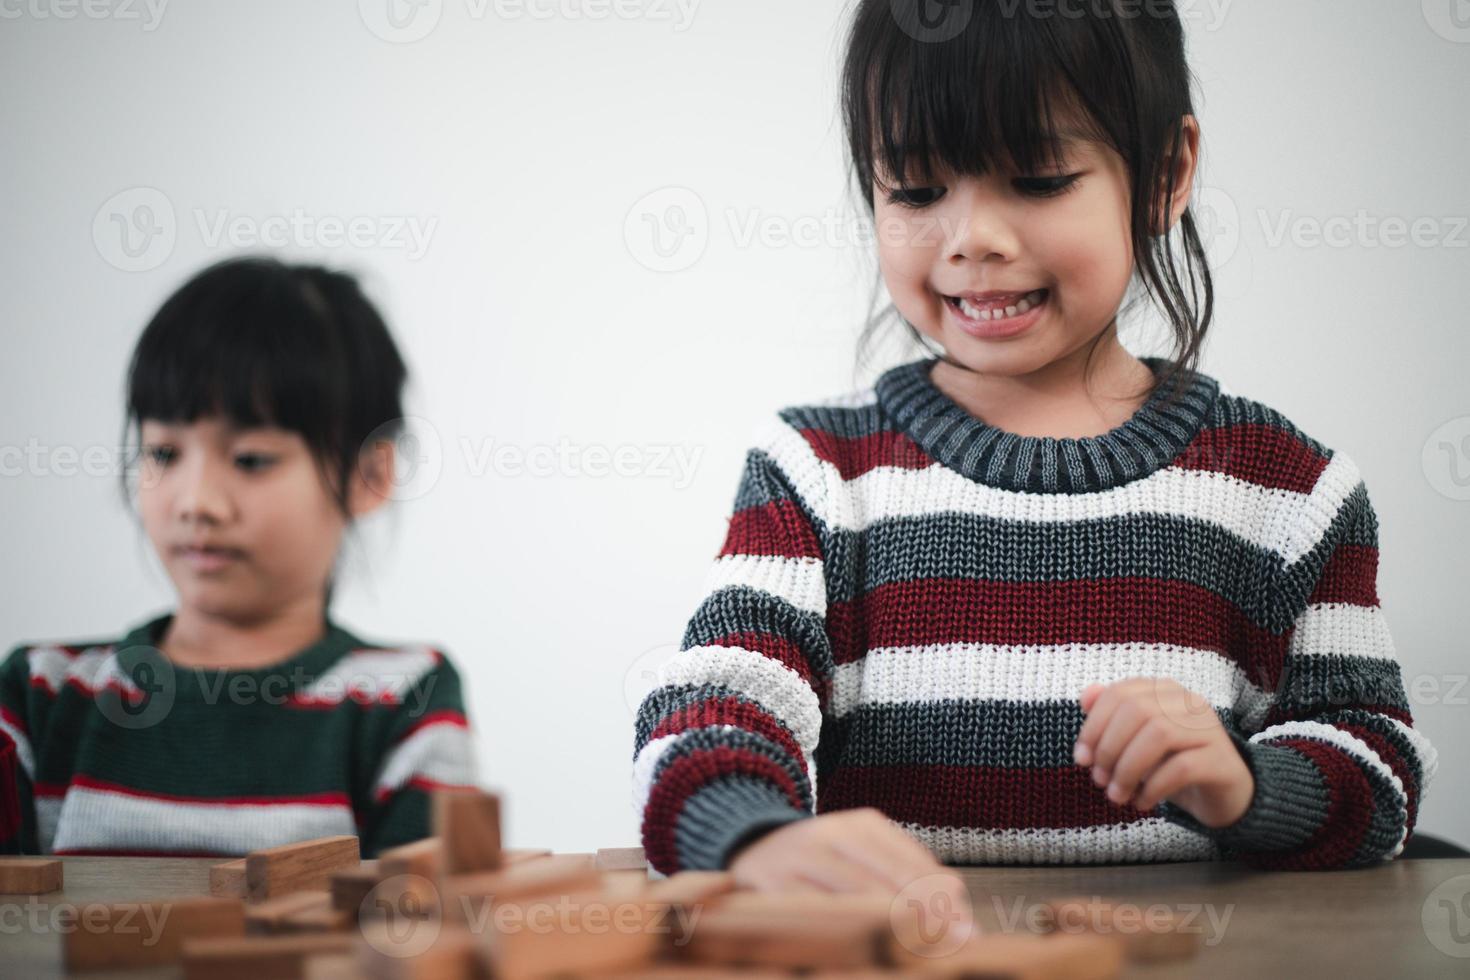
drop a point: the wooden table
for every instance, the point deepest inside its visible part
(1404, 919)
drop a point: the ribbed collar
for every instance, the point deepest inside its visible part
(1147, 441)
(140, 647)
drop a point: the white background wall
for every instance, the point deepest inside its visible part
(526, 146)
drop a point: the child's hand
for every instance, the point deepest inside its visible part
(856, 850)
(1149, 739)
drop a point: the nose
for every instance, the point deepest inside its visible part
(202, 494)
(981, 231)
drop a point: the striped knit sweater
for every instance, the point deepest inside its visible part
(114, 750)
(909, 603)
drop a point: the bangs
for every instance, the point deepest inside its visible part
(998, 96)
(244, 343)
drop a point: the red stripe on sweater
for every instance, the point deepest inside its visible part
(858, 455)
(326, 798)
(453, 719)
(776, 528)
(683, 778)
(421, 783)
(730, 711)
(924, 612)
(1260, 454)
(13, 720)
(1396, 764)
(982, 797)
(1350, 575)
(107, 852)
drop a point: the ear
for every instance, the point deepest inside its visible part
(1180, 177)
(372, 481)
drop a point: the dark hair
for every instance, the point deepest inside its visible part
(981, 87)
(259, 342)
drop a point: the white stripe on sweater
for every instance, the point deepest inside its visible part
(370, 675)
(1300, 527)
(1341, 628)
(22, 747)
(442, 752)
(796, 580)
(99, 819)
(769, 683)
(48, 815)
(1034, 674)
(91, 670)
(1149, 839)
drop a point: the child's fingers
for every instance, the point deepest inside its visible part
(1123, 725)
(835, 872)
(1149, 748)
(1178, 772)
(1096, 722)
(892, 854)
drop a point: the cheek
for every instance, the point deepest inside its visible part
(907, 250)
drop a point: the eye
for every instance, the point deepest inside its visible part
(159, 455)
(1046, 186)
(914, 197)
(254, 462)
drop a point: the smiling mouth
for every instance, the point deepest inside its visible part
(994, 310)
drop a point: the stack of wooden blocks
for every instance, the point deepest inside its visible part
(456, 906)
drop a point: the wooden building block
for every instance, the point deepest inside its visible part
(227, 880)
(29, 876)
(815, 931)
(584, 933)
(330, 966)
(468, 824)
(260, 957)
(517, 855)
(135, 934)
(424, 858)
(550, 876)
(691, 888)
(1025, 956)
(268, 916)
(621, 859)
(351, 885)
(319, 918)
(1149, 935)
(304, 866)
(385, 952)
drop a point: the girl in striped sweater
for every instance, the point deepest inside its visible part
(265, 399)
(1033, 599)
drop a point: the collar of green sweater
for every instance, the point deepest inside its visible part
(1150, 439)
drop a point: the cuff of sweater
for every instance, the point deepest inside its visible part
(728, 813)
(1289, 805)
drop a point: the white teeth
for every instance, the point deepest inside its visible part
(1026, 304)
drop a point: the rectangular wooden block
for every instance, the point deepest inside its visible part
(424, 858)
(468, 824)
(517, 855)
(29, 876)
(691, 888)
(621, 859)
(135, 934)
(1024, 956)
(793, 932)
(303, 866)
(584, 933)
(320, 918)
(1149, 935)
(560, 874)
(227, 880)
(260, 957)
(269, 915)
(351, 885)
(389, 952)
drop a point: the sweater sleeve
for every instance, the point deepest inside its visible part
(725, 745)
(1339, 768)
(426, 745)
(17, 759)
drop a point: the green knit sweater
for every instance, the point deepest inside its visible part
(108, 747)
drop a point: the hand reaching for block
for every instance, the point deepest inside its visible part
(848, 851)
